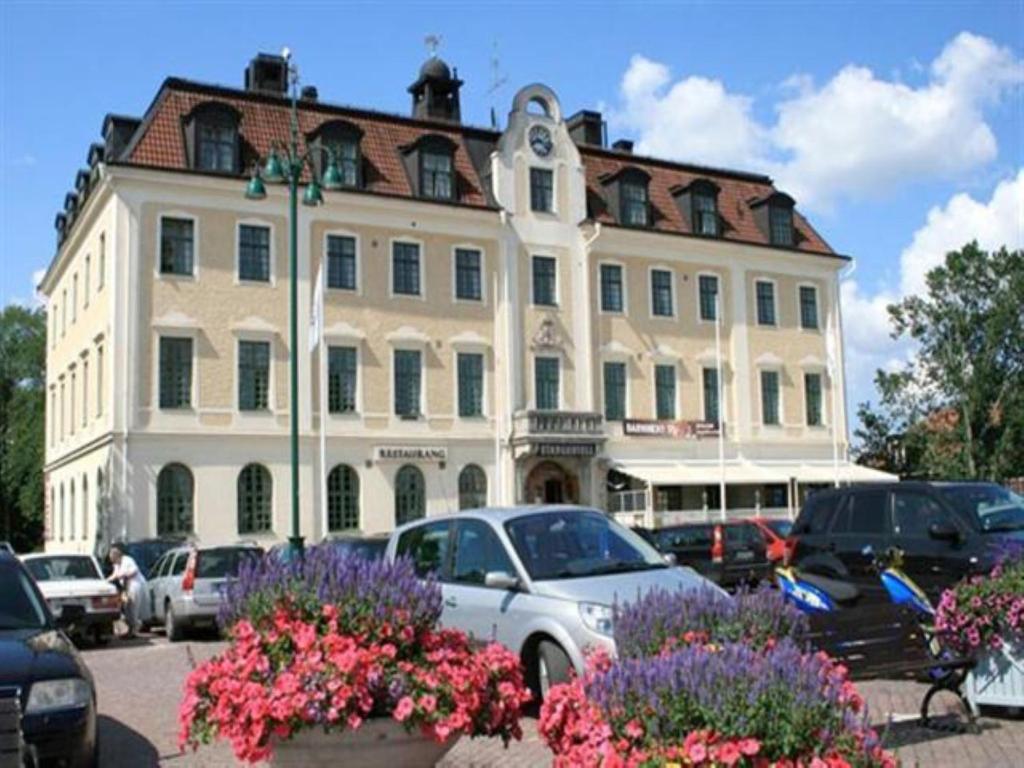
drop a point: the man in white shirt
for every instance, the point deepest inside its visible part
(127, 572)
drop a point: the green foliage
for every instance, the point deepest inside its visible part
(957, 410)
(22, 416)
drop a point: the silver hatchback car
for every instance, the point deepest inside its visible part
(185, 587)
(540, 580)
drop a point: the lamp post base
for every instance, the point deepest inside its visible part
(295, 545)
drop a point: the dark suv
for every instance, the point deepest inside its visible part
(945, 530)
(730, 553)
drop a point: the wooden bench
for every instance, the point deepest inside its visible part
(887, 641)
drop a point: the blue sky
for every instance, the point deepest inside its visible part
(898, 127)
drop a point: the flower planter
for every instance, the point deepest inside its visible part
(377, 743)
(998, 678)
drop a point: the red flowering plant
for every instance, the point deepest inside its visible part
(985, 611)
(330, 640)
(724, 692)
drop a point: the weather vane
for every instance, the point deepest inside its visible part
(433, 42)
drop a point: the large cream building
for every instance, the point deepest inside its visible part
(509, 317)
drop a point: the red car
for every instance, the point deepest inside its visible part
(775, 532)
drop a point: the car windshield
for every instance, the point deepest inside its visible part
(62, 568)
(20, 607)
(572, 544)
(780, 527)
(994, 508)
(371, 549)
(224, 562)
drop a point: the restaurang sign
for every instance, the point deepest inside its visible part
(686, 430)
(410, 453)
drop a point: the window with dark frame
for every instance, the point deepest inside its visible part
(346, 156)
(542, 190)
(472, 488)
(342, 498)
(341, 262)
(411, 502)
(253, 375)
(808, 307)
(708, 287)
(710, 382)
(812, 398)
(611, 288)
(545, 289)
(174, 497)
(770, 398)
(705, 213)
(614, 391)
(436, 174)
(175, 372)
(216, 146)
(765, 291)
(177, 246)
(546, 373)
(470, 367)
(661, 293)
(468, 276)
(255, 499)
(780, 220)
(408, 382)
(635, 204)
(665, 392)
(405, 269)
(254, 253)
(342, 378)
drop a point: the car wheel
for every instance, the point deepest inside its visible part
(553, 667)
(101, 634)
(172, 627)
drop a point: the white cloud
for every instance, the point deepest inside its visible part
(857, 135)
(997, 222)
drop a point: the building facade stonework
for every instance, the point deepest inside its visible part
(508, 317)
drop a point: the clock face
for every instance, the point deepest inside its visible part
(540, 140)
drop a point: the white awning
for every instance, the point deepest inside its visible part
(748, 472)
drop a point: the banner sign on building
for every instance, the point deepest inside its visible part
(584, 450)
(684, 430)
(410, 453)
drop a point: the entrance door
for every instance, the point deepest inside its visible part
(550, 483)
(554, 491)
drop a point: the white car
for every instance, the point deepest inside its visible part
(77, 580)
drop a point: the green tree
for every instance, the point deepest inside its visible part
(22, 419)
(957, 409)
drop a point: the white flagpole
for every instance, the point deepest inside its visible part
(721, 402)
(322, 363)
(830, 354)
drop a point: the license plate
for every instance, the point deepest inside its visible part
(745, 554)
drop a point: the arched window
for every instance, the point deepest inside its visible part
(85, 507)
(71, 512)
(175, 491)
(255, 493)
(410, 495)
(472, 487)
(51, 524)
(211, 137)
(342, 498)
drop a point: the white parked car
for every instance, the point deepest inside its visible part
(77, 580)
(540, 580)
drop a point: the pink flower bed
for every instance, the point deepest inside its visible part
(984, 611)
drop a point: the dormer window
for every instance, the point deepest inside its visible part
(635, 206)
(211, 137)
(430, 163)
(781, 220)
(705, 212)
(342, 142)
(774, 215)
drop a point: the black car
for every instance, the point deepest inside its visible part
(729, 553)
(946, 531)
(47, 695)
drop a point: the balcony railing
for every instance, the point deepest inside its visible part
(553, 424)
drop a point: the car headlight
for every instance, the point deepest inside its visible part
(597, 617)
(66, 693)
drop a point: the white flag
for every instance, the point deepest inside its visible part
(316, 318)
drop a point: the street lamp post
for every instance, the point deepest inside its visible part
(287, 167)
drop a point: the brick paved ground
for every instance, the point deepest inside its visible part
(139, 686)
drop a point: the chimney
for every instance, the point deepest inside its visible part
(117, 133)
(309, 93)
(623, 145)
(267, 73)
(586, 127)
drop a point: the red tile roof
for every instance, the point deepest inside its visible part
(160, 143)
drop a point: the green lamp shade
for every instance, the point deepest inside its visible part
(255, 189)
(313, 196)
(273, 171)
(332, 177)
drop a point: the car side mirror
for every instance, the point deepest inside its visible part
(501, 580)
(944, 532)
(70, 615)
(670, 558)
